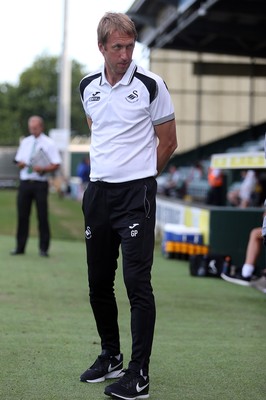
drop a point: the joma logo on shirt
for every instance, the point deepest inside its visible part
(94, 97)
(133, 97)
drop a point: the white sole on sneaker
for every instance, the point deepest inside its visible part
(115, 374)
(110, 375)
(139, 397)
(234, 280)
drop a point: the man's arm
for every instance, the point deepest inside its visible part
(20, 164)
(45, 170)
(89, 121)
(166, 134)
(264, 226)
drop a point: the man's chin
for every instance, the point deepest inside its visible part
(121, 68)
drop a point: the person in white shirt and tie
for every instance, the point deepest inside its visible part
(36, 156)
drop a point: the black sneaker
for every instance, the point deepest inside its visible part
(131, 386)
(237, 279)
(105, 367)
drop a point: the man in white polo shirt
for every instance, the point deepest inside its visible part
(37, 156)
(133, 134)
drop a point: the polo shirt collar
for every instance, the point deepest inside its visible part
(127, 78)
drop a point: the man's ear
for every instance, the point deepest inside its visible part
(101, 47)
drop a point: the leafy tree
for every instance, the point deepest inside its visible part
(36, 93)
(8, 115)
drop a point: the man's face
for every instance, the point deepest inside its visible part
(35, 127)
(117, 52)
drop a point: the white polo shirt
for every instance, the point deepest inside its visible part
(123, 140)
(24, 154)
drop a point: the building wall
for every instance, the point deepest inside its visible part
(210, 106)
(8, 169)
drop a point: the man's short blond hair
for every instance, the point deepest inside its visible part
(112, 22)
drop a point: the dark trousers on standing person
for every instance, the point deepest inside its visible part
(28, 192)
(122, 214)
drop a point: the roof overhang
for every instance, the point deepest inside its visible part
(233, 27)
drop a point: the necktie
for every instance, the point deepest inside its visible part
(32, 155)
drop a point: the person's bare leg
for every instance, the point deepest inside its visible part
(252, 252)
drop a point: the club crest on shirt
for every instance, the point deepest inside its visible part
(133, 97)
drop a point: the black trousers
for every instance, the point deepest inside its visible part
(28, 192)
(122, 214)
